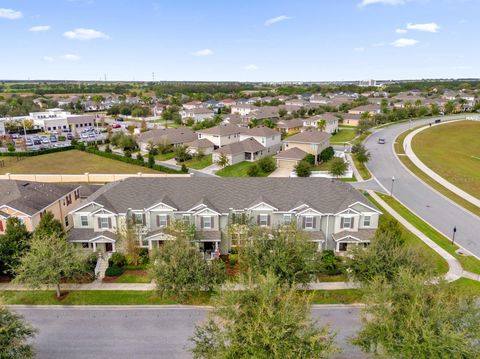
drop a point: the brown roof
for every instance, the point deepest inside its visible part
(200, 143)
(293, 153)
(259, 131)
(168, 135)
(289, 123)
(248, 145)
(221, 130)
(309, 137)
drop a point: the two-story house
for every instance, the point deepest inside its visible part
(332, 213)
(310, 142)
(197, 114)
(331, 122)
(221, 135)
(28, 201)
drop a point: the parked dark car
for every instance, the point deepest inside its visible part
(119, 119)
(69, 136)
(438, 120)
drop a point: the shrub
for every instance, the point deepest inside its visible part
(151, 160)
(310, 159)
(91, 262)
(253, 171)
(11, 147)
(327, 154)
(37, 153)
(267, 164)
(117, 260)
(128, 154)
(114, 271)
(144, 256)
(184, 168)
(62, 138)
(356, 147)
(139, 156)
(233, 259)
(329, 263)
(108, 149)
(303, 169)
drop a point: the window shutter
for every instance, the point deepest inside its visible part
(144, 219)
(201, 222)
(303, 222)
(314, 222)
(109, 222)
(268, 220)
(341, 222)
(258, 220)
(351, 222)
(158, 220)
(212, 222)
(99, 223)
(1, 226)
(168, 220)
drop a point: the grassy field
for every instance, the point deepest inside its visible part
(68, 162)
(453, 151)
(239, 170)
(427, 179)
(410, 238)
(343, 135)
(198, 164)
(468, 263)
(165, 156)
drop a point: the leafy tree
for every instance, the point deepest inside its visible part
(253, 170)
(15, 335)
(386, 255)
(338, 167)
(364, 125)
(151, 160)
(11, 147)
(127, 239)
(303, 169)
(310, 159)
(124, 141)
(286, 253)
(50, 260)
(98, 99)
(13, 244)
(223, 160)
(267, 164)
(265, 320)
(410, 317)
(49, 226)
(362, 155)
(327, 154)
(182, 154)
(179, 269)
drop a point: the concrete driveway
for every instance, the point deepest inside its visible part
(281, 172)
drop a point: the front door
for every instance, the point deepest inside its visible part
(108, 247)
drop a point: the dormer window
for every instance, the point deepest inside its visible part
(207, 222)
(367, 221)
(346, 222)
(263, 220)
(309, 222)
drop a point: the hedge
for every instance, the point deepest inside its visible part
(114, 271)
(133, 161)
(36, 153)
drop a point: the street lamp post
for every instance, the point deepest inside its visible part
(391, 188)
(454, 231)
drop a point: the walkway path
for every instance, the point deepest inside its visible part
(417, 162)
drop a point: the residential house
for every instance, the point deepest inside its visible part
(266, 136)
(248, 149)
(228, 102)
(331, 122)
(320, 100)
(236, 119)
(221, 135)
(332, 213)
(310, 141)
(290, 126)
(165, 136)
(192, 105)
(200, 146)
(371, 109)
(349, 119)
(197, 114)
(243, 109)
(29, 201)
(290, 158)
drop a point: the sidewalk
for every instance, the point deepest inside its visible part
(417, 162)
(455, 270)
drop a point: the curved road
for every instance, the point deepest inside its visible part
(440, 212)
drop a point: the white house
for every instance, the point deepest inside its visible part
(197, 114)
(267, 137)
(221, 135)
(331, 122)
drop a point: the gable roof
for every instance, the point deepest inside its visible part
(260, 131)
(247, 145)
(167, 135)
(293, 153)
(224, 194)
(309, 137)
(31, 197)
(221, 130)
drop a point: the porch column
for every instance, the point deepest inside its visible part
(216, 246)
(114, 248)
(94, 246)
(150, 244)
(319, 246)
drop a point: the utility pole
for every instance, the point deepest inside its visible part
(454, 231)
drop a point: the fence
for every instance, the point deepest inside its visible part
(84, 178)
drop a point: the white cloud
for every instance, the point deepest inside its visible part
(274, 20)
(359, 49)
(203, 52)
(403, 42)
(48, 59)
(39, 28)
(10, 14)
(401, 31)
(85, 34)
(428, 27)
(250, 67)
(378, 44)
(384, 2)
(71, 57)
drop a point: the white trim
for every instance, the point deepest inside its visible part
(309, 209)
(14, 209)
(348, 209)
(100, 209)
(199, 213)
(354, 239)
(259, 204)
(363, 204)
(159, 203)
(85, 205)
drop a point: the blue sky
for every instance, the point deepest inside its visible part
(239, 40)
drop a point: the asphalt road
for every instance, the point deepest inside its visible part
(420, 198)
(145, 332)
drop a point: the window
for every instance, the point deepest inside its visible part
(309, 222)
(85, 245)
(207, 222)
(162, 220)
(342, 247)
(263, 220)
(287, 218)
(346, 222)
(66, 221)
(366, 221)
(138, 218)
(103, 222)
(84, 220)
(186, 219)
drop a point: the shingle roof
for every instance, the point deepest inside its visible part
(248, 145)
(259, 131)
(309, 137)
(362, 234)
(31, 197)
(86, 234)
(293, 153)
(223, 194)
(200, 143)
(221, 130)
(290, 123)
(168, 135)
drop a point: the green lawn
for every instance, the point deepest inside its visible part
(68, 162)
(134, 276)
(343, 135)
(453, 151)
(428, 180)
(165, 156)
(198, 164)
(239, 170)
(410, 238)
(361, 168)
(324, 166)
(468, 263)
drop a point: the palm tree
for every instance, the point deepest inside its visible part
(322, 125)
